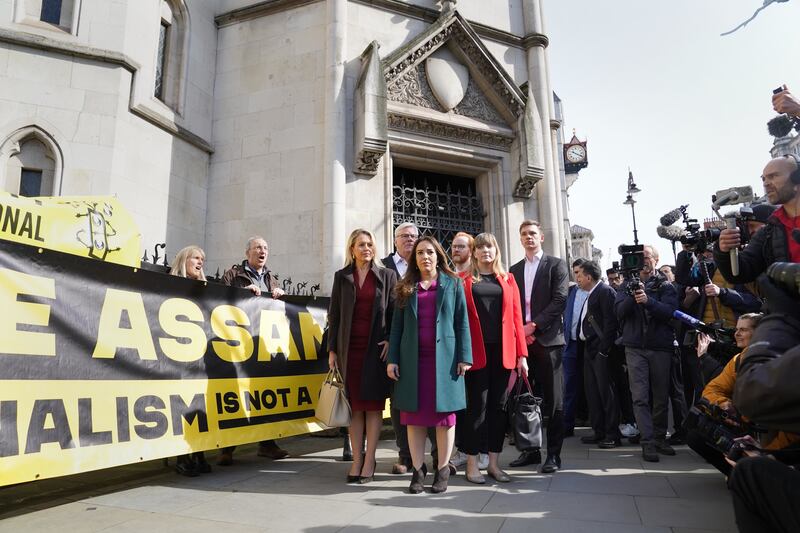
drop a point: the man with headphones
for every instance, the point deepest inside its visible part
(779, 239)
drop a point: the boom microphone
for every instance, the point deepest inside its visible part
(671, 233)
(781, 126)
(671, 217)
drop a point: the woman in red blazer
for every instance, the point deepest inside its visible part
(498, 347)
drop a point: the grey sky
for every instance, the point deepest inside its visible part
(653, 86)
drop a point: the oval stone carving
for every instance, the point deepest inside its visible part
(447, 76)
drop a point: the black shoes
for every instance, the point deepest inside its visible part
(663, 448)
(418, 480)
(533, 457)
(186, 466)
(677, 438)
(591, 439)
(440, 480)
(607, 444)
(649, 452)
(552, 464)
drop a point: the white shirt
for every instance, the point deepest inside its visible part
(584, 310)
(400, 263)
(577, 306)
(530, 274)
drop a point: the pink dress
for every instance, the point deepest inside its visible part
(426, 414)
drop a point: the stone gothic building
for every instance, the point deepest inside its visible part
(299, 120)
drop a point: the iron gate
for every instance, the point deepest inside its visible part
(440, 205)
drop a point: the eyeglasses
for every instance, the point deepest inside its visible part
(412, 236)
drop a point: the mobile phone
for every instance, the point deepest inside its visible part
(778, 90)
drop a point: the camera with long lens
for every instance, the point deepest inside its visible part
(630, 264)
(718, 427)
(786, 276)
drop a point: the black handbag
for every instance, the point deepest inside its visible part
(525, 416)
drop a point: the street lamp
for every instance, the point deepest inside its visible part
(632, 189)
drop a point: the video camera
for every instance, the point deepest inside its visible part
(631, 262)
(720, 428)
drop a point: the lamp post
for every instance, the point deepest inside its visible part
(632, 189)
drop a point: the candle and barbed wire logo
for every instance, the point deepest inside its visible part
(96, 236)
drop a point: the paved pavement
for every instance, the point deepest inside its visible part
(597, 491)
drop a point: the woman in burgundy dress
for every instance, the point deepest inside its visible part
(428, 355)
(362, 301)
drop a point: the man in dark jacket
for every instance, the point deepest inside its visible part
(648, 339)
(765, 491)
(543, 281)
(597, 331)
(774, 242)
(253, 274)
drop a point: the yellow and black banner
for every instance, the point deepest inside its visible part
(103, 365)
(97, 227)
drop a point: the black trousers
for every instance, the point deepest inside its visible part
(765, 496)
(547, 379)
(618, 372)
(603, 410)
(677, 399)
(485, 420)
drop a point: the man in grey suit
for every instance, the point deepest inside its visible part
(544, 283)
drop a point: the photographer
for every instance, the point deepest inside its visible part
(719, 392)
(765, 491)
(772, 243)
(644, 312)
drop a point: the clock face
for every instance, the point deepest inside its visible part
(576, 153)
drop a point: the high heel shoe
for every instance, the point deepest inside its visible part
(417, 480)
(356, 478)
(366, 479)
(440, 480)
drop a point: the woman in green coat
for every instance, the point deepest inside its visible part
(429, 352)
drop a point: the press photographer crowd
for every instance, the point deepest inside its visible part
(719, 332)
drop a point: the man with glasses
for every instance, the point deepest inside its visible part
(648, 339)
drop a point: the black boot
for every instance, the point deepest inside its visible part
(418, 480)
(440, 480)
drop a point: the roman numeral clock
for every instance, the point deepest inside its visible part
(575, 155)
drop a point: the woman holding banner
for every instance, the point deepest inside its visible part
(429, 354)
(188, 263)
(498, 347)
(362, 301)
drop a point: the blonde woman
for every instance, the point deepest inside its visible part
(498, 347)
(188, 263)
(359, 318)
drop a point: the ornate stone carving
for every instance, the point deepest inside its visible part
(449, 131)
(476, 105)
(413, 88)
(367, 162)
(524, 188)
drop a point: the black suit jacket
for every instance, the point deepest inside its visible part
(548, 298)
(388, 262)
(600, 315)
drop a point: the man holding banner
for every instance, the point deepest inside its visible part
(253, 274)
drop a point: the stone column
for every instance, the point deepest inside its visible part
(335, 144)
(539, 83)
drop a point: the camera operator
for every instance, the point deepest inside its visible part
(774, 242)
(647, 335)
(765, 491)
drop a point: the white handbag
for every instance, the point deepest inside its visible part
(333, 409)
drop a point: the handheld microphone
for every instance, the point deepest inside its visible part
(671, 233)
(671, 217)
(693, 322)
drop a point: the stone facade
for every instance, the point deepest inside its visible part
(283, 118)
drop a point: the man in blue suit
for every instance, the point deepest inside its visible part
(573, 367)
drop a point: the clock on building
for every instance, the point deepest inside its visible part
(575, 155)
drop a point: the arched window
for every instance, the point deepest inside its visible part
(30, 163)
(171, 52)
(50, 14)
